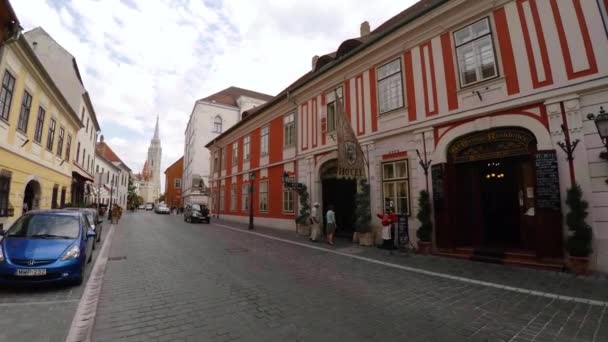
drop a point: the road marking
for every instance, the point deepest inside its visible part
(84, 319)
(425, 272)
(48, 302)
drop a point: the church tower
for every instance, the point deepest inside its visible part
(154, 158)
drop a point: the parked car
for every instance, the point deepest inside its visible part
(149, 206)
(46, 246)
(95, 221)
(196, 213)
(142, 206)
(162, 209)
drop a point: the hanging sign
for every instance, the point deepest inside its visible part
(351, 161)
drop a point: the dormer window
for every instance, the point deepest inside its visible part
(217, 124)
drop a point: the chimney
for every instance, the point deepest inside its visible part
(101, 138)
(315, 58)
(364, 30)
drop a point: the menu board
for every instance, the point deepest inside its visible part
(402, 231)
(437, 179)
(547, 181)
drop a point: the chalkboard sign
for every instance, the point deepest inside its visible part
(437, 179)
(547, 180)
(402, 231)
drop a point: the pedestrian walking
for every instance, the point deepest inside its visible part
(315, 231)
(330, 228)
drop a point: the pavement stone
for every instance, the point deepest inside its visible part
(172, 281)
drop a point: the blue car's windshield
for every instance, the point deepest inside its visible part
(45, 226)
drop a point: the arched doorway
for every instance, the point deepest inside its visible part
(341, 194)
(31, 196)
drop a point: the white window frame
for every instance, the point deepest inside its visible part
(395, 181)
(263, 194)
(233, 197)
(474, 41)
(245, 197)
(331, 119)
(246, 150)
(288, 200)
(386, 94)
(217, 124)
(178, 183)
(235, 153)
(289, 130)
(264, 140)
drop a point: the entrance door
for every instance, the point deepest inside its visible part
(32, 194)
(341, 194)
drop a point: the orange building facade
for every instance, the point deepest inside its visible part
(173, 184)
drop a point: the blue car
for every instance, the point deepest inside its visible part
(46, 246)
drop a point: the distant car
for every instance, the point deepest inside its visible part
(196, 213)
(95, 221)
(162, 209)
(142, 206)
(149, 206)
(45, 246)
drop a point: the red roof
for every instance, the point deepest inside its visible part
(106, 152)
(229, 96)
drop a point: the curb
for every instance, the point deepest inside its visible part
(84, 318)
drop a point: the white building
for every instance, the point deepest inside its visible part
(210, 117)
(112, 176)
(63, 69)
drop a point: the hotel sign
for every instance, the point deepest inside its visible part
(491, 144)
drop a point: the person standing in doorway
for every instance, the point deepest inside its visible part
(314, 221)
(330, 228)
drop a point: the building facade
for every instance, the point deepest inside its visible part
(38, 129)
(173, 184)
(149, 179)
(112, 175)
(482, 91)
(63, 68)
(209, 118)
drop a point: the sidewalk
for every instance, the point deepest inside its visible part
(546, 282)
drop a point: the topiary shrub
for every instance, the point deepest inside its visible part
(363, 215)
(424, 233)
(304, 217)
(579, 241)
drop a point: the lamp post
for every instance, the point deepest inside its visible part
(601, 122)
(251, 179)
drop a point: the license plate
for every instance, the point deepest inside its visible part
(31, 272)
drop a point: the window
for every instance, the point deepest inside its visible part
(222, 198)
(235, 153)
(244, 197)
(89, 162)
(475, 51)
(84, 153)
(54, 198)
(216, 162)
(178, 183)
(395, 186)
(288, 198)
(97, 169)
(264, 143)
(68, 147)
(51, 137)
(217, 124)
(88, 120)
(39, 125)
(331, 108)
(289, 130)
(223, 158)
(24, 114)
(78, 152)
(246, 141)
(6, 95)
(263, 196)
(233, 197)
(604, 12)
(82, 116)
(60, 141)
(5, 186)
(390, 86)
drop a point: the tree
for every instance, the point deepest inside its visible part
(133, 199)
(425, 231)
(161, 198)
(579, 241)
(363, 211)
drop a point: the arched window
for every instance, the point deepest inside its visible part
(217, 124)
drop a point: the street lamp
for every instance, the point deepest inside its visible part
(601, 122)
(251, 179)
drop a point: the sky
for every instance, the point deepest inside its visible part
(143, 58)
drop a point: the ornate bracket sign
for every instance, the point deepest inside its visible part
(491, 144)
(290, 183)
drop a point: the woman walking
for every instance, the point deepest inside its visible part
(330, 228)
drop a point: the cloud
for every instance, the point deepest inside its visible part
(140, 58)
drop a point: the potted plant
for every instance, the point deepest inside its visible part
(363, 216)
(303, 220)
(579, 239)
(425, 231)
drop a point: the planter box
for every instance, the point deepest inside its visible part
(424, 247)
(578, 265)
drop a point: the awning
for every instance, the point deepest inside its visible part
(80, 172)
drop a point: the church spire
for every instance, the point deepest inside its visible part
(156, 137)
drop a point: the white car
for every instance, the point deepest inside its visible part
(149, 206)
(142, 206)
(162, 209)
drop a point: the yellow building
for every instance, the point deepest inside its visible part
(37, 135)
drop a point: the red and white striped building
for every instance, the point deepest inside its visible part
(479, 88)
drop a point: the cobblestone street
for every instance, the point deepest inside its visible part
(169, 281)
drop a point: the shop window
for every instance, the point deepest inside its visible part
(5, 186)
(233, 198)
(263, 196)
(395, 186)
(244, 197)
(332, 108)
(6, 95)
(264, 140)
(390, 86)
(288, 199)
(475, 51)
(289, 130)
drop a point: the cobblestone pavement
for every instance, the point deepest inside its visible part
(42, 313)
(172, 281)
